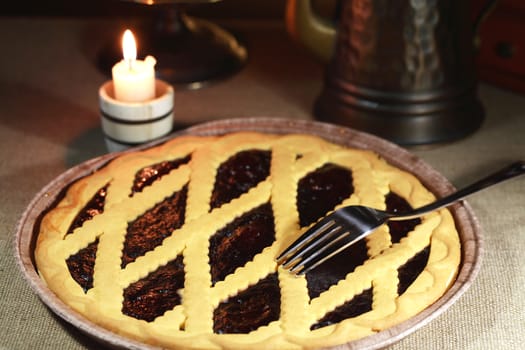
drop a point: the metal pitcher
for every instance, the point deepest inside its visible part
(400, 69)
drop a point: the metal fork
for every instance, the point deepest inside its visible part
(345, 226)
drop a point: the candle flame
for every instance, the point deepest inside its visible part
(129, 47)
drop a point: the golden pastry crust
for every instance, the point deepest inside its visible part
(190, 324)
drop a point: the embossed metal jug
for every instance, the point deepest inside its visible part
(401, 69)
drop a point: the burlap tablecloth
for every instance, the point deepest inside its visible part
(49, 122)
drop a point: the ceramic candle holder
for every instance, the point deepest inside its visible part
(128, 124)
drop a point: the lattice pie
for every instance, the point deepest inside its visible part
(175, 246)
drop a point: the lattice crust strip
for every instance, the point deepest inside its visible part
(190, 323)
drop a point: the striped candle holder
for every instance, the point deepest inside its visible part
(128, 124)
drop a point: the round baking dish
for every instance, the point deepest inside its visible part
(466, 222)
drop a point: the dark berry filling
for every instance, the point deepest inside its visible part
(239, 241)
(146, 176)
(336, 268)
(82, 264)
(358, 305)
(399, 229)
(156, 293)
(408, 272)
(94, 207)
(256, 306)
(239, 174)
(321, 190)
(151, 228)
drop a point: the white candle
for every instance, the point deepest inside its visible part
(133, 80)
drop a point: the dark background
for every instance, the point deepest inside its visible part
(500, 57)
(224, 9)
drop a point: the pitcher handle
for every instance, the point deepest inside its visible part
(317, 34)
(485, 11)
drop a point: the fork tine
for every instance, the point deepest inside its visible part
(334, 247)
(324, 234)
(331, 245)
(305, 238)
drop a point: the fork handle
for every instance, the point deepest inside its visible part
(508, 172)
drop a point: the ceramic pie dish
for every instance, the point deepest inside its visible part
(465, 222)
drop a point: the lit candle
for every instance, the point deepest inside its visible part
(133, 80)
